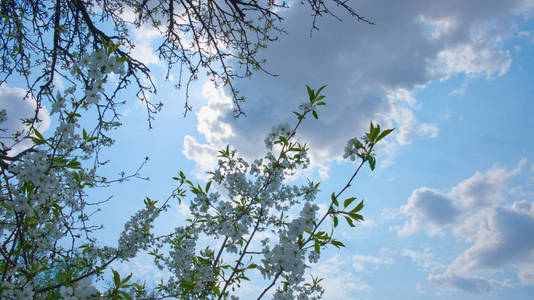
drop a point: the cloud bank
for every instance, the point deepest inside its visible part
(19, 106)
(499, 237)
(371, 72)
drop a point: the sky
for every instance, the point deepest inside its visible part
(449, 209)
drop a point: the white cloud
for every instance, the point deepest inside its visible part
(499, 237)
(142, 267)
(482, 190)
(345, 284)
(405, 120)
(361, 262)
(428, 208)
(143, 36)
(183, 209)
(144, 53)
(424, 259)
(210, 123)
(473, 60)
(429, 130)
(216, 132)
(338, 285)
(468, 283)
(442, 276)
(433, 210)
(19, 106)
(203, 154)
(371, 71)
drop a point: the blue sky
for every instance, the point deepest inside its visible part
(450, 208)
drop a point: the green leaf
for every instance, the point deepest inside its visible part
(38, 134)
(372, 162)
(315, 114)
(349, 220)
(113, 48)
(337, 243)
(358, 207)
(310, 93)
(320, 89)
(216, 290)
(335, 221)
(348, 201)
(384, 134)
(375, 133)
(208, 186)
(126, 295)
(116, 278)
(77, 177)
(127, 278)
(356, 217)
(321, 235)
(37, 141)
(333, 197)
(319, 98)
(103, 41)
(74, 164)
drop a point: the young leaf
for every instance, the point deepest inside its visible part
(208, 186)
(358, 207)
(113, 48)
(320, 89)
(116, 278)
(356, 217)
(384, 134)
(126, 279)
(349, 220)
(348, 201)
(317, 247)
(333, 197)
(38, 134)
(372, 162)
(310, 92)
(337, 243)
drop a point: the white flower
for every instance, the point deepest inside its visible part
(92, 96)
(118, 67)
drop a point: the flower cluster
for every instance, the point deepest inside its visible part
(288, 255)
(9, 290)
(136, 234)
(283, 130)
(99, 64)
(81, 290)
(307, 107)
(44, 195)
(353, 149)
